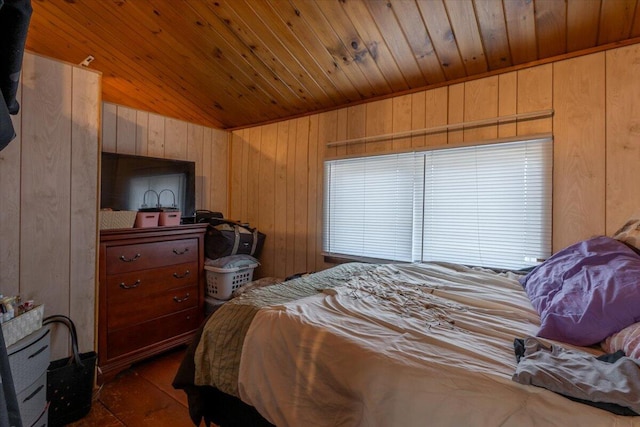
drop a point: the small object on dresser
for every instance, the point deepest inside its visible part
(147, 219)
(22, 325)
(169, 218)
(116, 219)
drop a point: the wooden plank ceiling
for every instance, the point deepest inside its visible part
(233, 63)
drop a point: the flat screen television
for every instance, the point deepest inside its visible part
(134, 183)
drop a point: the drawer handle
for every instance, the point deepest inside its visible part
(182, 276)
(180, 252)
(32, 395)
(135, 285)
(40, 350)
(122, 258)
(176, 299)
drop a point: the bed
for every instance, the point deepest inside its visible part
(427, 344)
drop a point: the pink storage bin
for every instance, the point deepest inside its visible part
(147, 219)
(170, 218)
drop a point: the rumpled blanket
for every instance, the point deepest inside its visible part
(217, 356)
(613, 385)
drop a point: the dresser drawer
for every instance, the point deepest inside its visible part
(126, 340)
(29, 358)
(140, 284)
(134, 311)
(32, 401)
(142, 256)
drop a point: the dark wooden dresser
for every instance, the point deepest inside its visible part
(151, 292)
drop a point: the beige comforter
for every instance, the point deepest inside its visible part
(217, 356)
(403, 345)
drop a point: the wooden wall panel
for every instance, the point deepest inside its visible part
(342, 131)
(507, 102)
(205, 185)
(579, 149)
(110, 127)
(85, 151)
(54, 219)
(291, 194)
(253, 176)
(279, 236)
(175, 139)
(436, 115)
(313, 186)
(155, 136)
(379, 121)
(265, 197)
(45, 191)
(218, 171)
(481, 102)
(242, 192)
(301, 178)
(142, 132)
(622, 135)
(401, 121)
(535, 93)
(126, 124)
(195, 144)
(327, 132)
(236, 184)
(455, 112)
(418, 108)
(356, 128)
(576, 88)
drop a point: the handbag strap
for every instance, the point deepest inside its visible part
(60, 318)
(236, 241)
(255, 241)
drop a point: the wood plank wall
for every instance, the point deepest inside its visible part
(276, 170)
(48, 194)
(129, 131)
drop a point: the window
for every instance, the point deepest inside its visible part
(486, 205)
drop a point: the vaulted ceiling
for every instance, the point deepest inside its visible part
(232, 63)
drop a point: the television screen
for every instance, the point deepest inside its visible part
(133, 183)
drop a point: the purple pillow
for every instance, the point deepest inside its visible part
(587, 291)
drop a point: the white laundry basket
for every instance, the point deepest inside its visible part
(221, 282)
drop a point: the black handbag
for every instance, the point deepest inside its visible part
(70, 380)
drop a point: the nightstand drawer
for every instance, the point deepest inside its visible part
(136, 285)
(137, 310)
(29, 358)
(32, 401)
(126, 258)
(127, 340)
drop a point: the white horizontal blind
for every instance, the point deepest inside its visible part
(489, 205)
(369, 206)
(485, 205)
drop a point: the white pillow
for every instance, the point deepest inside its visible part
(627, 340)
(630, 232)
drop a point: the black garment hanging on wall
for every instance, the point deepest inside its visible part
(14, 24)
